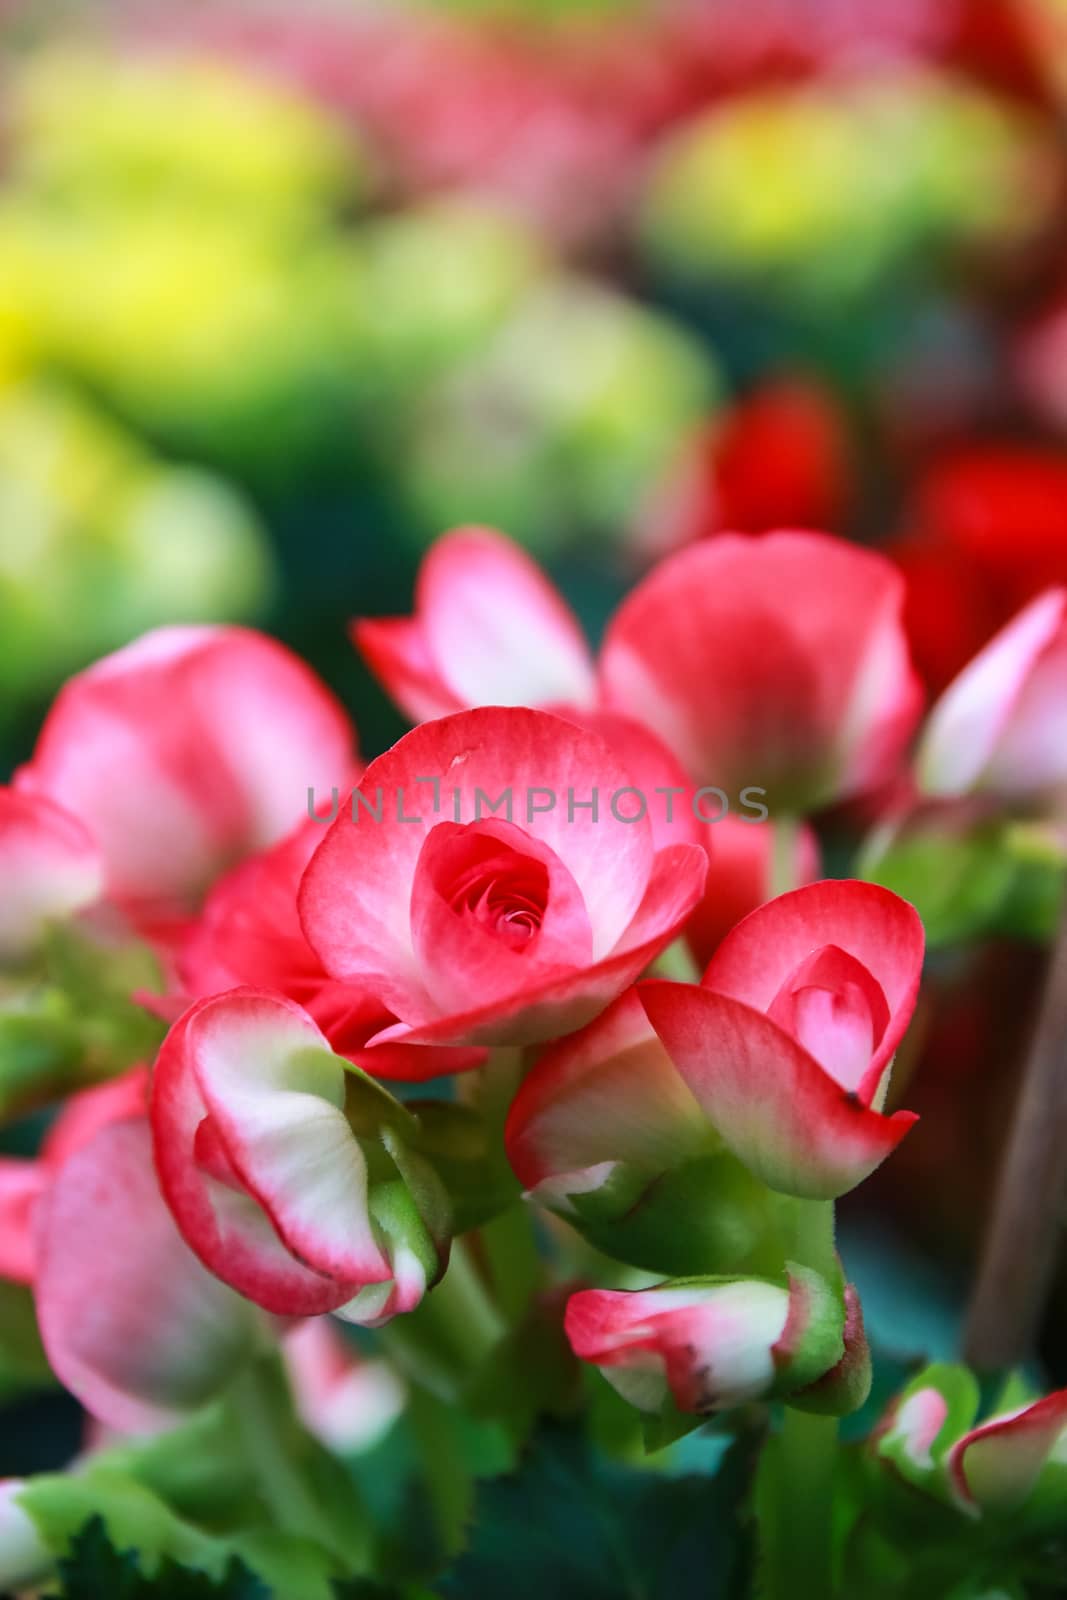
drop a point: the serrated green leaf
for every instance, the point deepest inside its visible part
(575, 1526)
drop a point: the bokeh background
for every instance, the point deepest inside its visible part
(286, 289)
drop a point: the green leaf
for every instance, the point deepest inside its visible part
(589, 1529)
(93, 1568)
(958, 882)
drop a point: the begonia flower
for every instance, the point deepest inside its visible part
(132, 1324)
(183, 752)
(287, 1170)
(50, 869)
(495, 881)
(248, 933)
(605, 1132)
(788, 1042)
(778, 662)
(1001, 726)
(1000, 1466)
(706, 1344)
(488, 628)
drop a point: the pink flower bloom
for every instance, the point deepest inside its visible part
(22, 1183)
(185, 751)
(739, 877)
(778, 662)
(266, 1178)
(788, 1043)
(346, 1401)
(131, 1322)
(25, 1182)
(249, 934)
(49, 867)
(707, 1344)
(1001, 726)
(489, 628)
(509, 927)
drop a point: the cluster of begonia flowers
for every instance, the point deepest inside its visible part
(326, 927)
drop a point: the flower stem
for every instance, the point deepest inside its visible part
(783, 873)
(264, 1417)
(795, 1493)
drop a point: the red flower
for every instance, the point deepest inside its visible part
(778, 662)
(249, 933)
(739, 877)
(266, 1178)
(1002, 725)
(49, 867)
(509, 927)
(186, 750)
(778, 459)
(788, 1043)
(489, 628)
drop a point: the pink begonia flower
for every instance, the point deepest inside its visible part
(1001, 725)
(739, 877)
(132, 1324)
(605, 1133)
(778, 662)
(489, 628)
(707, 1344)
(988, 1468)
(495, 927)
(677, 814)
(49, 867)
(788, 1042)
(344, 1399)
(249, 933)
(266, 1177)
(185, 751)
(24, 1181)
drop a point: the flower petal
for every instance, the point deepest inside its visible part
(497, 630)
(230, 1232)
(994, 1467)
(172, 796)
(355, 900)
(871, 924)
(771, 1102)
(49, 867)
(977, 708)
(606, 1094)
(132, 1323)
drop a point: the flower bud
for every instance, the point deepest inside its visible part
(605, 1133)
(292, 1174)
(705, 1344)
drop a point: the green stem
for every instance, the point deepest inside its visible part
(796, 1497)
(446, 1338)
(795, 1490)
(783, 855)
(264, 1418)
